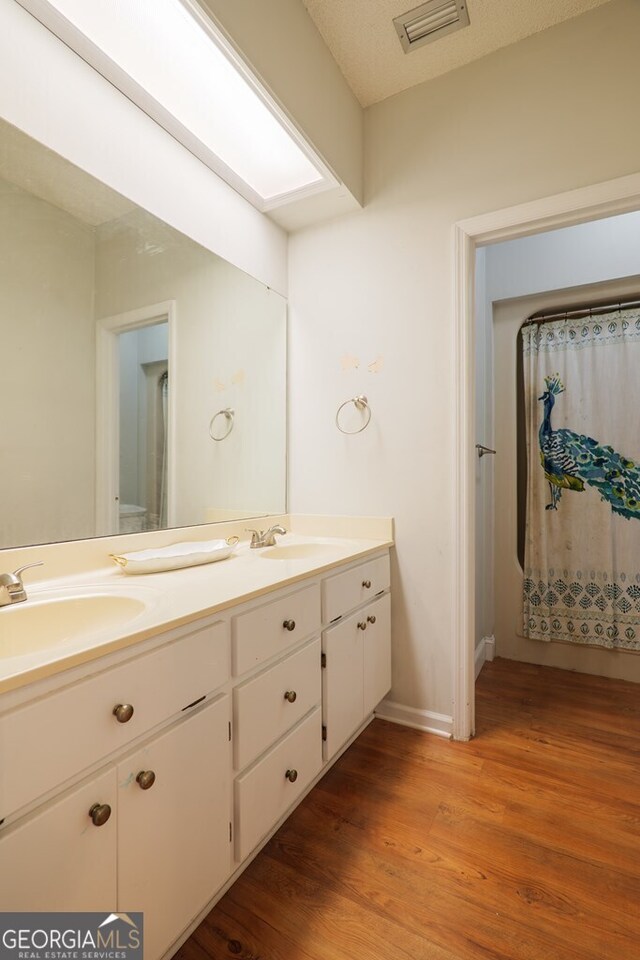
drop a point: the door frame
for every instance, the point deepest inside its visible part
(595, 202)
(108, 403)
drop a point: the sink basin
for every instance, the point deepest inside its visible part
(39, 624)
(298, 551)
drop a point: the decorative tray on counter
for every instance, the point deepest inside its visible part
(176, 556)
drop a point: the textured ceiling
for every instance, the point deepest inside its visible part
(362, 39)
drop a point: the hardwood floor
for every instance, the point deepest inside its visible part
(521, 845)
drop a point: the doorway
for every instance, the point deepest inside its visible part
(578, 206)
(143, 373)
(136, 420)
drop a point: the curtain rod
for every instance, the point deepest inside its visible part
(576, 313)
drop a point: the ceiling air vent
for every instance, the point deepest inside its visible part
(430, 21)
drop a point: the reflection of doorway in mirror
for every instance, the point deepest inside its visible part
(143, 421)
(135, 402)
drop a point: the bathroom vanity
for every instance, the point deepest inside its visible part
(142, 772)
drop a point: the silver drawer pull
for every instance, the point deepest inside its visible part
(123, 712)
(100, 813)
(371, 619)
(366, 584)
(362, 625)
(291, 696)
(291, 775)
(289, 624)
(146, 779)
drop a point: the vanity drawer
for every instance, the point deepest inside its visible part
(262, 707)
(348, 590)
(52, 739)
(271, 628)
(264, 792)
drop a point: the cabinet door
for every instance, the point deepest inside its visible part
(377, 652)
(58, 859)
(342, 682)
(174, 845)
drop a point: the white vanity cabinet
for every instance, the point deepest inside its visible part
(146, 781)
(151, 834)
(356, 649)
(270, 628)
(174, 818)
(273, 701)
(57, 859)
(46, 741)
(150, 829)
(277, 720)
(376, 632)
(274, 783)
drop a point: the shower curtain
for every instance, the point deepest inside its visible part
(582, 543)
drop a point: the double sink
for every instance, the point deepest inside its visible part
(54, 617)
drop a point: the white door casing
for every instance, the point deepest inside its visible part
(107, 409)
(562, 210)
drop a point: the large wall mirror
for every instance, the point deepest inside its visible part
(143, 378)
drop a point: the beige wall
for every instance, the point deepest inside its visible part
(47, 386)
(549, 114)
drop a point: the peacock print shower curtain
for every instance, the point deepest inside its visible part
(582, 543)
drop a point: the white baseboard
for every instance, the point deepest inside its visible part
(427, 720)
(484, 651)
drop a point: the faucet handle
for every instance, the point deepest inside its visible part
(255, 535)
(17, 573)
(11, 585)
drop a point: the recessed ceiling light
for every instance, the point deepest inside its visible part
(170, 59)
(430, 21)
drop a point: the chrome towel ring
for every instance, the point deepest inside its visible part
(362, 404)
(229, 414)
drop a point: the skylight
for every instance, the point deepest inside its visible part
(168, 57)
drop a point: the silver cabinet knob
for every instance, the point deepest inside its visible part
(289, 624)
(366, 584)
(362, 625)
(290, 696)
(123, 712)
(146, 779)
(100, 813)
(371, 619)
(291, 775)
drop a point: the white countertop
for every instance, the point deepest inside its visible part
(171, 599)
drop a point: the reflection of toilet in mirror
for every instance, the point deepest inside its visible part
(133, 519)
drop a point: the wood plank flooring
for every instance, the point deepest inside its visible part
(521, 845)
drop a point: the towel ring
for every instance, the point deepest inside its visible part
(228, 413)
(360, 403)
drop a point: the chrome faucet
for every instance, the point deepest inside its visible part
(11, 586)
(265, 538)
